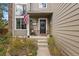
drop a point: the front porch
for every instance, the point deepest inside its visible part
(39, 24)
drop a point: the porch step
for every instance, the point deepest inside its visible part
(42, 47)
(42, 41)
(42, 44)
(38, 37)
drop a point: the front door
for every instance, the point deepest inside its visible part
(42, 26)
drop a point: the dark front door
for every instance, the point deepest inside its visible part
(42, 26)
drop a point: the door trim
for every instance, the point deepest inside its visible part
(39, 24)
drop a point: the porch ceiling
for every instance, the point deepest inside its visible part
(40, 14)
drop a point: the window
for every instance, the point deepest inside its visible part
(42, 5)
(20, 10)
(20, 23)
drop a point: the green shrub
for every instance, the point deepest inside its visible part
(21, 46)
(52, 47)
(2, 50)
(50, 35)
(32, 46)
(16, 48)
(4, 42)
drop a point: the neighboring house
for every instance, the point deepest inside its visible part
(39, 19)
(59, 19)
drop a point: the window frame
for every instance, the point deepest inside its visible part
(41, 6)
(22, 11)
(18, 16)
(21, 23)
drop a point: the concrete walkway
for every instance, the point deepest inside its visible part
(43, 47)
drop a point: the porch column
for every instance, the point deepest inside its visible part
(28, 27)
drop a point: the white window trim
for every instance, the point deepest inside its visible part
(40, 6)
(18, 17)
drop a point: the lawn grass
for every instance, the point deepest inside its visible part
(54, 51)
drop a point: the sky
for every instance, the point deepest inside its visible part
(5, 15)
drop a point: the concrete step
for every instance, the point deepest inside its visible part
(42, 41)
(42, 44)
(42, 47)
(38, 37)
(41, 38)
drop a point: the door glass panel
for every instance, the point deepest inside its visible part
(42, 26)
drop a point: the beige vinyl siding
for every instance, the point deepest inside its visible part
(34, 8)
(66, 27)
(17, 32)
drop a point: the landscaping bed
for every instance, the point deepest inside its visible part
(4, 42)
(22, 47)
(54, 51)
